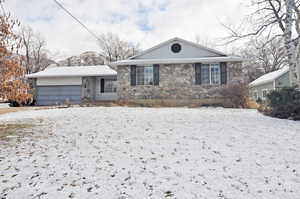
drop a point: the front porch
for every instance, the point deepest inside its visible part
(101, 88)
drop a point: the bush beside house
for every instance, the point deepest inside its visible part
(283, 103)
(237, 95)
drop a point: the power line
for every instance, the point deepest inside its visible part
(78, 21)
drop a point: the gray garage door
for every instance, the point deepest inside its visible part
(52, 95)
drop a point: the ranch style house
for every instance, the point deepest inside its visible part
(175, 72)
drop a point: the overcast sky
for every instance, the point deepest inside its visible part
(147, 22)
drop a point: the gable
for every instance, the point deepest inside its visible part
(283, 80)
(188, 50)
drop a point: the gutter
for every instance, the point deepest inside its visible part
(91, 75)
(178, 61)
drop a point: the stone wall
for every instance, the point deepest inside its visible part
(177, 81)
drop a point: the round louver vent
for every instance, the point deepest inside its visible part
(176, 48)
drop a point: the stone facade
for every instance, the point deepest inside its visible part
(177, 81)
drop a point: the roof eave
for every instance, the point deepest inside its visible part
(178, 61)
(260, 83)
(253, 84)
(89, 75)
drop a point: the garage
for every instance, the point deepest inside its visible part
(54, 95)
(72, 85)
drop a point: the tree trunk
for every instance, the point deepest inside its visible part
(297, 66)
(289, 44)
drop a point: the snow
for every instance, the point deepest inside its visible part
(4, 105)
(269, 77)
(119, 152)
(75, 71)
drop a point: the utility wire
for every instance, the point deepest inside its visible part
(78, 21)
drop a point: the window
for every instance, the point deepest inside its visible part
(264, 94)
(140, 75)
(205, 77)
(210, 74)
(109, 86)
(215, 74)
(255, 95)
(144, 75)
(176, 48)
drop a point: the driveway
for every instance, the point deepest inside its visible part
(158, 153)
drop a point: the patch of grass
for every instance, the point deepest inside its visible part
(12, 109)
(12, 129)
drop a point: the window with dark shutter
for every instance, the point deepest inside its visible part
(223, 73)
(156, 74)
(208, 74)
(198, 73)
(145, 75)
(133, 75)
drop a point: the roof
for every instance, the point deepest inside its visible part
(269, 77)
(75, 71)
(178, 60)
(139, 60)
(181, 40)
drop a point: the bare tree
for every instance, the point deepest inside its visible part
(114, 49)
(277, 18)
(36, 56)
(204, 41)
(264, 56)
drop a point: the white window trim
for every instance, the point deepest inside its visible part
(255, 96)
(209, 67)
(109, 79)
(219, 79)
(262, 93)
(136, 75)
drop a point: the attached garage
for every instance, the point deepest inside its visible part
(60, 85)
(50, 95)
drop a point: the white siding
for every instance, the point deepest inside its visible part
(56, 81)
(187, 51)
(98, 87)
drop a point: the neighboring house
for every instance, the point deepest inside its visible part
(260, 87)
(74, 85)
(176, 71)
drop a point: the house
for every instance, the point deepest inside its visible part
(176, 72)
(260, 87)
(74, 85)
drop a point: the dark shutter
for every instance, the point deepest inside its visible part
(198, 73)
(223, 73)
(156, 74)
(102, 86)
(133, 75)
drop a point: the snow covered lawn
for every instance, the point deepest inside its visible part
(4, 105)
(123, 153)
